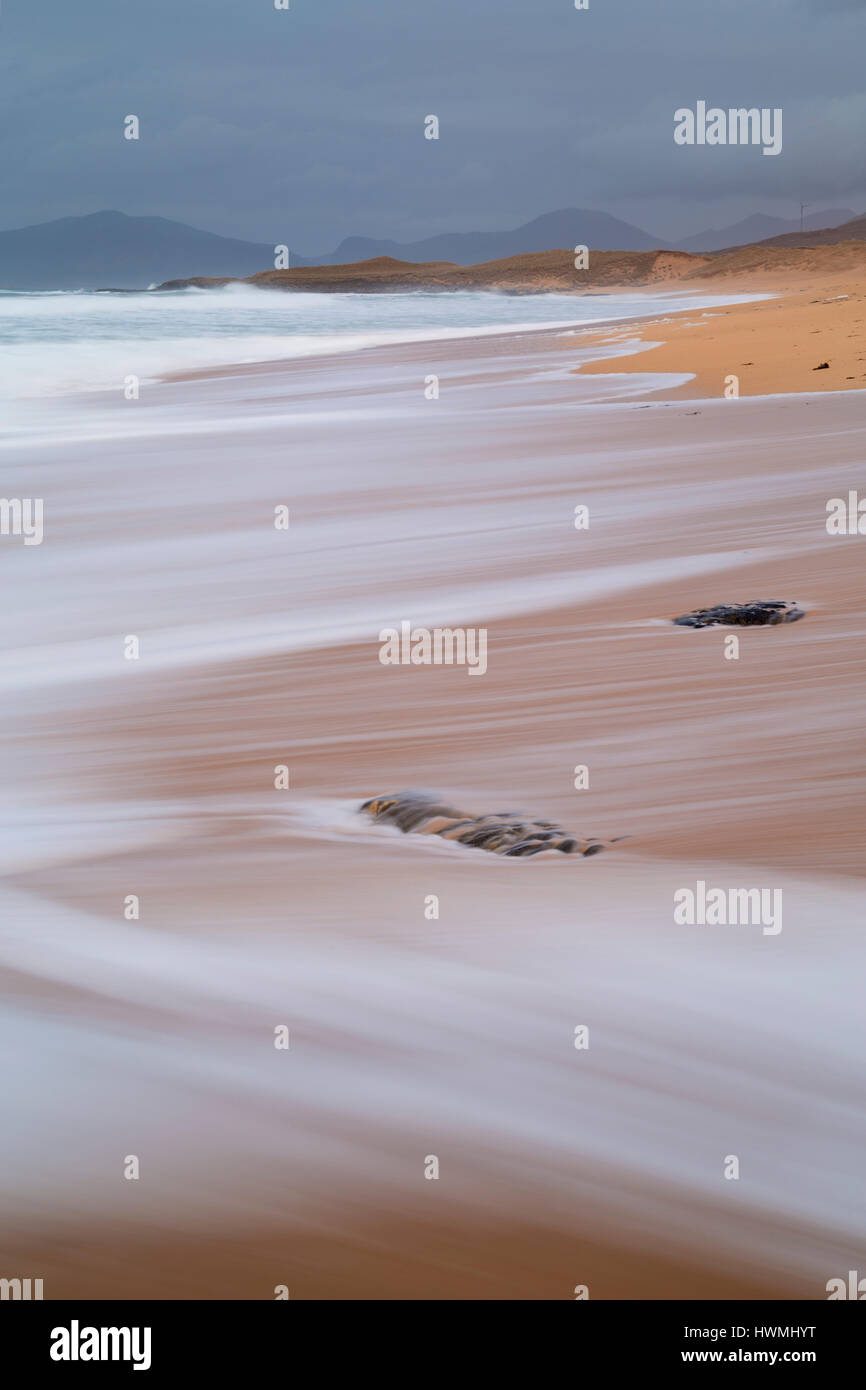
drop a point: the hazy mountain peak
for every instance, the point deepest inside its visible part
(110, 248)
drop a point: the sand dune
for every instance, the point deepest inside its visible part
(543, 271)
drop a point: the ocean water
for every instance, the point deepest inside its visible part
(55, 342)
(127, 485)
(154, 1036)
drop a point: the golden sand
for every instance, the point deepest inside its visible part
(772, 346)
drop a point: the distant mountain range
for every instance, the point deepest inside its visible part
(760, 227)
(567, 227)
(855, 230)
(108, 250)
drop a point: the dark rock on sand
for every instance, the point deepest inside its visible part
(758, 613)
(504, 832)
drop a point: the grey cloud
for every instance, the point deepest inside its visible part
(306, 125)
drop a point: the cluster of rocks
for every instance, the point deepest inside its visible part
(509, 832)
(759, 613)
(501, 832)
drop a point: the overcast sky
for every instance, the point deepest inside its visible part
(305, 126)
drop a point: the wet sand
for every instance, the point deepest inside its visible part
(450, 1036)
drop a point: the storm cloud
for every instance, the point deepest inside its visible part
(305, 125)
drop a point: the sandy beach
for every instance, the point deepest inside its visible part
(809, 337)
(452, 1035)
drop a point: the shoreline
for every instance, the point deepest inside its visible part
(187, 348)
(587, 332)
(770, 335)
(706, 351)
